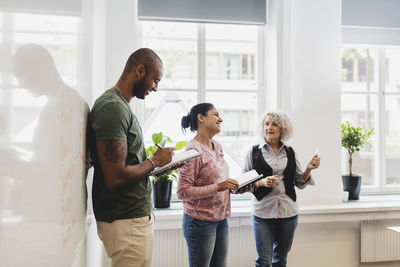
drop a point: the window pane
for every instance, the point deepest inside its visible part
(239, 125)
(163, 113)
(359, 68)
(49, 39)
(393, 140)
(393, 69)
(176, 44)
(230, 54)
(48, 23)
(361, 111)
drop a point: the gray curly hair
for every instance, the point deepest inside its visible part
(284, 123)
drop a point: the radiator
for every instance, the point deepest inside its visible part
(170, 248)
(378, 242)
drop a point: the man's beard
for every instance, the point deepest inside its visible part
(139, 88)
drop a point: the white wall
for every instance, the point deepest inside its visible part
(309, 69)
(329, 245)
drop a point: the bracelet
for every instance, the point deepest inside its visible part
(152, 163)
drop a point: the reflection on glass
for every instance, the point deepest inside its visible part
(361, 111)
(392, 140)
(42, 144)
(176, 44)
(63, 49)
(43, 164)
(231, 52)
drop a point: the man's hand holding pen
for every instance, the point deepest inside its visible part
(162, 156)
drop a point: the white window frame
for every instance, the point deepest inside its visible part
(381, 38)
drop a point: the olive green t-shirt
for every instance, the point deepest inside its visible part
(112, 119)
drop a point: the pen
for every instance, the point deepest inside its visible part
(159, 147)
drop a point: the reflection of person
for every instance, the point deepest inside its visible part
(48, 194)
(204, 189)
(121, 188)
(274, 206)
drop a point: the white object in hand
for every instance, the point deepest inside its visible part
(316, 152)
(247, 178)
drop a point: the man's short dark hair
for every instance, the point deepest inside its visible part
(144, 56)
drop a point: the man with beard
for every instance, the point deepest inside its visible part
(121, 190)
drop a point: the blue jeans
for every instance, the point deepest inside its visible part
(273, 240)
(207, 242)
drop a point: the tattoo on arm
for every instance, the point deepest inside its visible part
(115, 151)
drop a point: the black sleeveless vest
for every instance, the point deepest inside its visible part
(262, 167)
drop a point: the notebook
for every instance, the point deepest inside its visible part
(247, 178)
(176, 160)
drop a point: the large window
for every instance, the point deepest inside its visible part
(206, 63)
(371, 99)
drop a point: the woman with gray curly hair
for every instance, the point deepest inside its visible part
(274, 207)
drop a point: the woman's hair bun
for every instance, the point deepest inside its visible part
(185, 122)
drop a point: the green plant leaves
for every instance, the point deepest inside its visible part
(354, 138)
(150, 151)
(157, 138)
(170, 175)
(181, 145)
(161, 139)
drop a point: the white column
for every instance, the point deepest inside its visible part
(309, 64)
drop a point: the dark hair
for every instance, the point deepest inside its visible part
(191, 118)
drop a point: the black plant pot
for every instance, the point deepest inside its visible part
(352, 184)
(162, 194)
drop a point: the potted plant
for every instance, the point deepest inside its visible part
(162, 184)
(353, 139)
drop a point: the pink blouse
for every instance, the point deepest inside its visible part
(197, 185)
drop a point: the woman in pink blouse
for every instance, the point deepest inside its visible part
(204, 189)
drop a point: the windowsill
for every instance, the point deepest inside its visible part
(368, 207)
(364, 202)
(379, 198)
